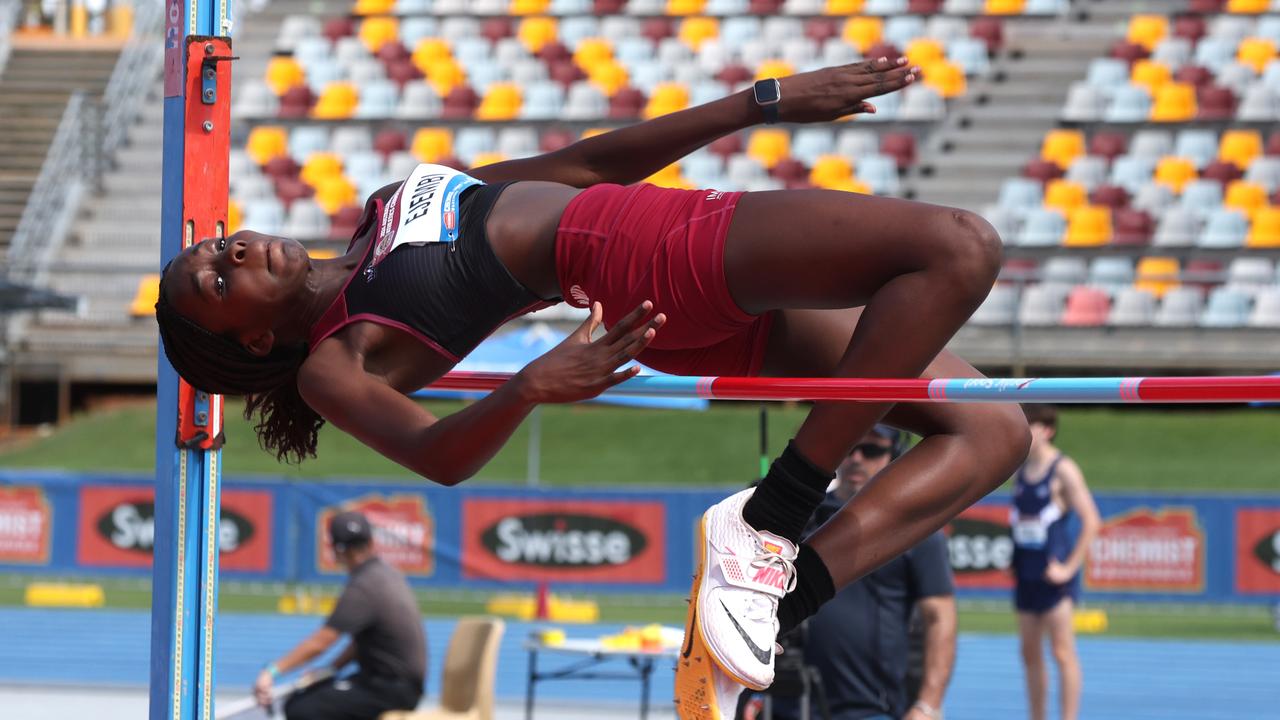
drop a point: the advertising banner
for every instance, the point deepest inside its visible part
(403, 532)
(557, 540)
(26, 525)
(1257, 553)
(1145, 550)
(981, 548)
(117, 528)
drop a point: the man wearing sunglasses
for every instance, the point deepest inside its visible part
(859, 640)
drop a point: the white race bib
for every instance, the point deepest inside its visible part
(423, 210)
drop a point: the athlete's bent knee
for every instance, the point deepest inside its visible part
(970, 252)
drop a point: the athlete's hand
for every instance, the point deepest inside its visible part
(580, 368)
(262, 689)
(830, 93)
(1058, 573)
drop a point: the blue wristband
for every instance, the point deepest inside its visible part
(273, 670)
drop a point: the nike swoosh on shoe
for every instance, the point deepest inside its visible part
(764, 656)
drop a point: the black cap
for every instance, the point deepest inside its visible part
(349, 528)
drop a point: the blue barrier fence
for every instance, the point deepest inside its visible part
(1194, 548)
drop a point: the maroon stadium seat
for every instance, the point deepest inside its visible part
(732, 74)
(393, 52)
(1222, 171)
(403, 71)
(296, 102)
(290, 189)
(1273, 143)
(460, 103)
(901, 147)
(821, 29)
(344, 222)
(627, 103)
(390, 141)
(1205, 6)
(885, 50)
(338, 27)
(451, 161)
(1018, 269)
(1129, 52)
(1215, 102)
(1042, 170)
(1189, 26)
(1203, 274)
(494, 29)
(789, 169)
(565, 72)
(553, 52)
(281, 167)
(727, 145)
(924, 7)
(1108, 144)
(1112, 196)
(1196, 75)
(989, 30)
(1131, 227)
(608, 7)
(765, 7)
(656, 29)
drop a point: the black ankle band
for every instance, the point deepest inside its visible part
(813, 588)
(787, 496)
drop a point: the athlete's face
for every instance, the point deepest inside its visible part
(1041, 434)
(242, 286)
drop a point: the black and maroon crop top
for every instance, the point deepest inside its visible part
(429, 269)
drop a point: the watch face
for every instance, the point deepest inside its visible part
(767, 92)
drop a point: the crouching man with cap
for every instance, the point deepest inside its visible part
(380, 613)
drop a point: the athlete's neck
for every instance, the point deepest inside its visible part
(324, 283)
(1041, 453)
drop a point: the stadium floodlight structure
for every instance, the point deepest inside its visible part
(197, 90)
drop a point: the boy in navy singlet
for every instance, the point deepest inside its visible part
(1048, 489)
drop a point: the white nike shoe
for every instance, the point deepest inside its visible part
(742, 575)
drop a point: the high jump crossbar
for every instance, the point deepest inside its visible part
(1186, 390)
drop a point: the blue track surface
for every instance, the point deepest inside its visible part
(1124, 679)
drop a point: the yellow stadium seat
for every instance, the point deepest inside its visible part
(1240, 147)
(1174, 102)
(1248, 7)
(830, 170)
(235, 215)
(1264, 232)
(432, 143)
(774, 69)
(1256, 53)
(696, 30)
(378, 31)
(769, 145)
(1088, 226)
(923, 51)
(1062, 146)
(609, 76)
(444, 75)
(592, 132)
(374, 7)
(487, 158)
(335, 193)
(321, 166)
(1245, 196)
(534, 32)
(842, 7)
(852, 185)
(283, 73)
(1175, 172)
(322, 253)
(529, 7)
(430, 50)
(1157, 275)
(863, 32)
(945, 77)
(670, 177)
(1004, 7)
(337, 101)
(1150, 74)
(666, 98)
(1064, 195)
(1147, 30)
(267, 142)
(685, 7)
(501, 102)
(592, 51)
(144, 300)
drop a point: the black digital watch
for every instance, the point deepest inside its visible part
(768, 94)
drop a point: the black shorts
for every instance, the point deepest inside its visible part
(358, 697)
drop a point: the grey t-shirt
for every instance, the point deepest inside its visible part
(380, 612)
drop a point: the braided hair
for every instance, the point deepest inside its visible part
(286, 425)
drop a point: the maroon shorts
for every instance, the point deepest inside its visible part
(622, 245)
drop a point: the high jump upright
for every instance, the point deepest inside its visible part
(184, 601)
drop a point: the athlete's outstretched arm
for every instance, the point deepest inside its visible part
(451, 449)
(633, 153)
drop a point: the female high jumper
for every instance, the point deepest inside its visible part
(794, 283)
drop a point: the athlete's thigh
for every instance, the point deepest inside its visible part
(810, 343)
(1060, 624)
(825, 248)
(1030, 629)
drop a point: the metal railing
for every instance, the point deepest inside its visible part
(87, 137)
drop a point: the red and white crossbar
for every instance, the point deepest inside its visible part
(1226, 389)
